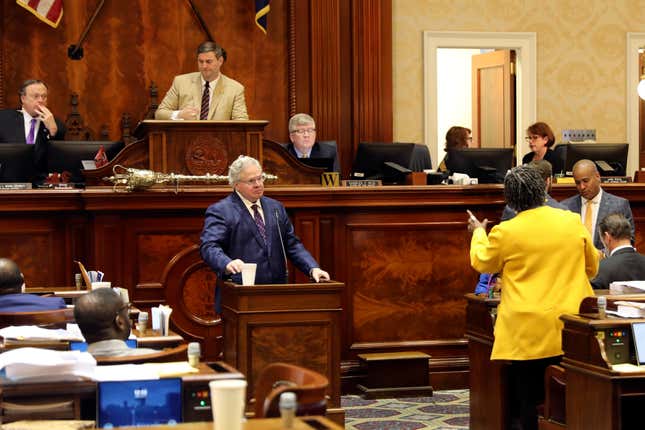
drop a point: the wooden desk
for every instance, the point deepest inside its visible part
(77, 399)
(401, 252)
(598, 397)
(488, 380)
(300, 423)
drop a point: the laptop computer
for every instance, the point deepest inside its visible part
(138, 403)
(638, 338)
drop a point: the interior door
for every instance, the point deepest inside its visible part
(493, 86)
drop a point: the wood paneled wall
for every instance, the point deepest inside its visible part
(331, 58)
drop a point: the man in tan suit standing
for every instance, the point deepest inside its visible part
(206, 94)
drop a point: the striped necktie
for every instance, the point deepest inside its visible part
(206, 98)
(259, 222)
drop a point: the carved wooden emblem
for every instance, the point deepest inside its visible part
(206, 155)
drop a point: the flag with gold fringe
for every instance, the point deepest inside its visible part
(262, 8)
(48, 11)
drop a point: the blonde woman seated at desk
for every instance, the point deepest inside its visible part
(102, 316)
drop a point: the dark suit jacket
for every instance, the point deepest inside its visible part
(624, 265)
(509, 213)
(609, 204)
(12, 130)
(319, 150)
(230, 232)
(29, 303)
(549, 156)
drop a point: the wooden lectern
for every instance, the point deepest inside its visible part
(186, 147)
(291, 323)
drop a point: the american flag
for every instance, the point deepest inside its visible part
(48, 11)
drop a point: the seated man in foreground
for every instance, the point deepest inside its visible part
(623, 262)
(103, 318)
(12, 296)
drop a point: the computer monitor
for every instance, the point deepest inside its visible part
(137, 403)
(488, 165)
(17, 162)
(371, 159)
(67, 155)
(610, 158)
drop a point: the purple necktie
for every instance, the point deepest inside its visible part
(206, 96)
(32, 131)
(259, 222)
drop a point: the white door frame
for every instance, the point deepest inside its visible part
(634, 42)
(525, 46)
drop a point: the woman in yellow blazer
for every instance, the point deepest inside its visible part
(546, 257)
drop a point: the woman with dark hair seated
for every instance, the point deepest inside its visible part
(456, 138)
(542, 278)
(540, 138)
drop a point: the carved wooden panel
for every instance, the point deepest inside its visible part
(407, 281)
(43, 247)
(272, 341)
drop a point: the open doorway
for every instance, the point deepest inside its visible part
(524, 45)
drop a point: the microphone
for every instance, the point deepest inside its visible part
(284, 253)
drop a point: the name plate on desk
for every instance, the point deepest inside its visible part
(15, 186)
(362, 183)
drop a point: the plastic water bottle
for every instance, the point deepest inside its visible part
(288, 407)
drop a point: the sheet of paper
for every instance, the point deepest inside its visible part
(32, 332)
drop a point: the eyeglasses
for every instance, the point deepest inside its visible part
(529, 138)
(257, 180)
(302, 131)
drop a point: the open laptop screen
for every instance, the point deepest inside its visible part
(638, 330)
(139, 403)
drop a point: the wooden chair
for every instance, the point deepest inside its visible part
(178, 353)
(277, 378)
(554, 416)
(48, 319)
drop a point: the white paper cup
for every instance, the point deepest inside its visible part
(248, 273)
(227, 403)
(96, 285)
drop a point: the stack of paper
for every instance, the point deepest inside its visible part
(630, 309)
(627, 287)
(32, 332)
(47, 365)
(161, 318)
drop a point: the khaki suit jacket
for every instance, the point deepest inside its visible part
(186, 90)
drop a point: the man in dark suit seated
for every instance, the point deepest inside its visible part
(593, 204)
(34, 124)
(247, 227)
(302, 133)
(103, 318)
(12, 297)
(623, 262)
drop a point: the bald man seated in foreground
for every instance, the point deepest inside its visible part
(103, 318)
(12, 296)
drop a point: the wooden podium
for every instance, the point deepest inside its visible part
(186, 147)
(291, 323)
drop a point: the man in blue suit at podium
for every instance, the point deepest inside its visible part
(247, 227)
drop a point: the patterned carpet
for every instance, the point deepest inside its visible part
(445, 410)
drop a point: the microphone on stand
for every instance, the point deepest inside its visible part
(284, 253)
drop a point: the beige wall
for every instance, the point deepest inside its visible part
(581, 57)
